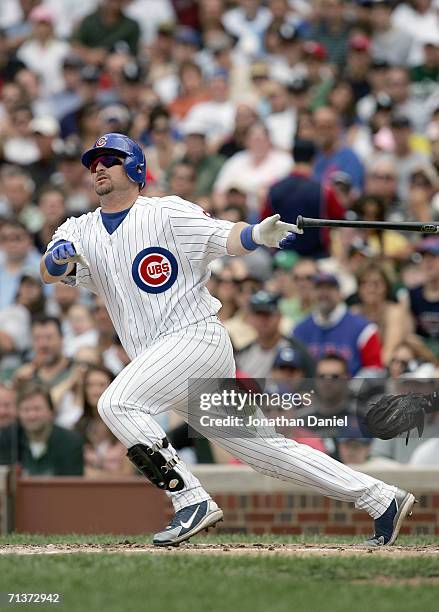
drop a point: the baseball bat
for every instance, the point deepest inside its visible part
(403, 226)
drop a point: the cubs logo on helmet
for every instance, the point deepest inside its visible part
(154, 270)
(102, 141)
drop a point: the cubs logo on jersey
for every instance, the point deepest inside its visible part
(154, 270)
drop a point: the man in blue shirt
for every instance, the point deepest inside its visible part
(333, 156)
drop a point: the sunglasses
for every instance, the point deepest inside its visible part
(106, 160)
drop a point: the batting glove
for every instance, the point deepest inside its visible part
(272, 232)
(64, 252)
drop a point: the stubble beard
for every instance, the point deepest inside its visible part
(104, 188)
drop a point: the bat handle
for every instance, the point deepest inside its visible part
(299, 222)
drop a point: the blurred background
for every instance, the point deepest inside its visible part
(321, 108)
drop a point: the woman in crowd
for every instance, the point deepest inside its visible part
(104, 454)
(375, 303)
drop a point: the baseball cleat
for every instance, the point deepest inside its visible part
(189, 521)
(388, 525)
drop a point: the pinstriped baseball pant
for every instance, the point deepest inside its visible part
(157, 380)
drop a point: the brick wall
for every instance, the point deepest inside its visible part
(252, 503)
(289, 513)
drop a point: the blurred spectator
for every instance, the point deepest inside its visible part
(357, 67)
(352, 448)
(424, 182)
(36, 443)
(106, 29)
(424, 299)
(253, 169)
(8, 405)
(288, 366)
(256, 359)
(333, 155)
(427, 453)
(332, 30)
(389, 43)
(164, 149)
(241, 332)
(46, 131)
(332, 328)
(381, 183)
(297, 303)
(405, 156)
(281, 122)
(300, 194)
(192, 90)
(182, 180)
(43, 53)
(18, 145)
(82, 329)
(207, 165)
(424, 77)
(245, 116)
(417, 19)
(217, 114)
(375, 303)
(405, 104)
(17, 257)
(247, 22)
(52, 206)
(16, 202)
(48, 365)
(103, 453)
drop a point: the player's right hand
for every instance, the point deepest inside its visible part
(64, 252)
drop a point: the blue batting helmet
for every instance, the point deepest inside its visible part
(134, 162)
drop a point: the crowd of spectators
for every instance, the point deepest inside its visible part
(323, 108)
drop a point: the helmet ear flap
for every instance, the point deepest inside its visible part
(134, 170)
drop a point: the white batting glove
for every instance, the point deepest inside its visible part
(271, 232)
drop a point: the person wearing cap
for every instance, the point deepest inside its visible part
(405, 155)
(301, 194)
(389, 43)
(288, 366)
(352, 447)
(105, 29)
(332, 327)
(424, 299)
(68, 99)
(256, 359)
(282, 118)
(43, 53)
(377, 77)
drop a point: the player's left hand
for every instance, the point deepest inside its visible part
(272, 232)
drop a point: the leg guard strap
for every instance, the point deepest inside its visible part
(150, 462)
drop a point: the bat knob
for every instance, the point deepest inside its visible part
(299, 222)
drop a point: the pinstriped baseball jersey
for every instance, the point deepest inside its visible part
(152, 270)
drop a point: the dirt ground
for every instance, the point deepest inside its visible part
(322, 550)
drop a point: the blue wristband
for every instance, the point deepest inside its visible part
(52, 267)
(247, 238)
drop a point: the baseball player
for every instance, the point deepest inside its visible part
(148, 257)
